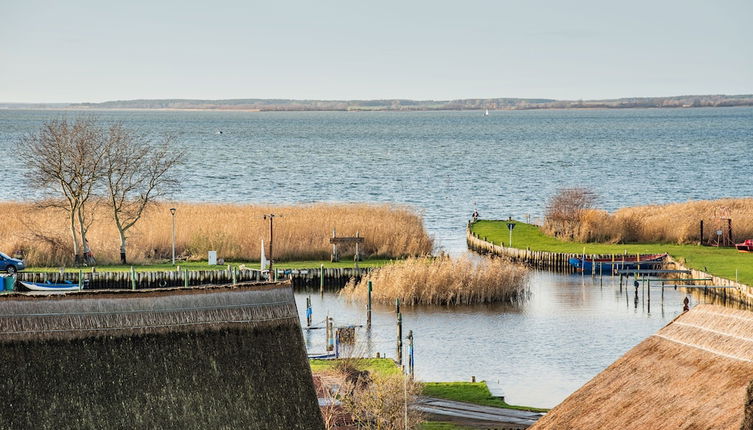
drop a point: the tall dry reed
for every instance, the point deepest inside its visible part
(234, 231)
(671, 223)
(443, 281)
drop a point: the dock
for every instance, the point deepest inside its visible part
(301, 279)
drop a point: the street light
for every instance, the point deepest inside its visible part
(271, 217)
(172, 212)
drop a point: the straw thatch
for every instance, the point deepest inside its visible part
(693, 374)
(212, 357)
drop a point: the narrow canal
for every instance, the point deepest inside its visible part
(535, 353)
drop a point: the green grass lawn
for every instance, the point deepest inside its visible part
(202, 265)
(470, 392)
(724, 262)
(376, 366)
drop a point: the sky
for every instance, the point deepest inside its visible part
(92, 51)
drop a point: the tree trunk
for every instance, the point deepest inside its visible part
(122, 248)
(84, 246)
(76, 255)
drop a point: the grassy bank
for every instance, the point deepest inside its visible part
(470, 392)
(723, 262)
(443, 281)
(202, 265)
(301, 232)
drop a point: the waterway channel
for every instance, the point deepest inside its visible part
(534, 353)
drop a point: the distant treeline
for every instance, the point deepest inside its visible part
(408, 105)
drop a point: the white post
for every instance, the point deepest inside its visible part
(172, 211)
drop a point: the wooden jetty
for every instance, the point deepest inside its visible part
(301, 279)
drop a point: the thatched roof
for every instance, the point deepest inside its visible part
(692, 374)
(196, 358)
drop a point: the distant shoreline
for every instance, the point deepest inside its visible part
(122, 109)
(394, 105)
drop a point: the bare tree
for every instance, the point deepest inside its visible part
(565, 209)
(64, 158)
(137, 172)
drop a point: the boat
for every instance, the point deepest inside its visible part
(486, 113)
(746, 246)
(49, 286)
(607, 265)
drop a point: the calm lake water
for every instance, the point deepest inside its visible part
(508, 163)
(444, 164)
(535, 353)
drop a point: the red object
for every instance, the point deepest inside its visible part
(746, 246)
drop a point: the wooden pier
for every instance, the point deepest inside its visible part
(301, 279)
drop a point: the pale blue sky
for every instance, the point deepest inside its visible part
(70, 51)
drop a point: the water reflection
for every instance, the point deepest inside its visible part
(536, 353)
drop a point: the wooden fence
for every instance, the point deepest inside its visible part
(334, 279)
(558, 262)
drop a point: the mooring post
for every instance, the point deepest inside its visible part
(185, 277)
(368, 304)
(309, 311)
(133, 278)
(583, 263)
(410, 353)
(321, 279)
(235, 276)
(400, 339)
(399, 333)
(326, 332)
(80, 279)
(331, 334)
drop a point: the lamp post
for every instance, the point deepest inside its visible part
(172, 212)
(271, 217)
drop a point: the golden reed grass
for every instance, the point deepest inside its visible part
(671, 223)
(234, 231)
(443, 281)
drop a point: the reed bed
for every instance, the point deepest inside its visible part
(234, 231)
(671, 223)
(443, 281)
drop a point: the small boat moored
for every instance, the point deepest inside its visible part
(609, 265)
(49, 286)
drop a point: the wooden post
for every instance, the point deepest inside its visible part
(368, 304)
(700, 240)
(410, 353)
(358, 254)
(399, 337)
(235, 276)
(331, 341)
(133, 278)
(321, 279)
(185, 277)
(80, 279)
(583, 263)
(309, 312)
(334, 257)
